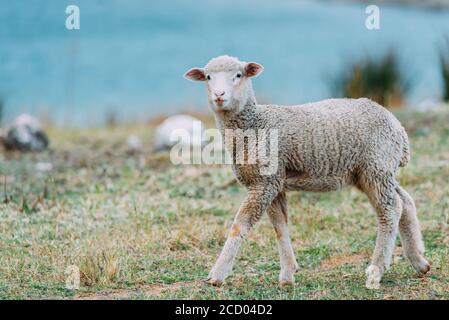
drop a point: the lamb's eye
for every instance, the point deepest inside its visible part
(239, 75)
(208, 77)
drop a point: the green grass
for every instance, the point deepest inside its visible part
(138, 227)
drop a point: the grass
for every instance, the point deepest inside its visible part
(138, 227)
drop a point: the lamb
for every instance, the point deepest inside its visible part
(322, 146)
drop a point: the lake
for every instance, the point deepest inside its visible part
(128, 57)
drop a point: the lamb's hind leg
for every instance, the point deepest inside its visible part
(277, 213)
(388, 205)
(411, 234)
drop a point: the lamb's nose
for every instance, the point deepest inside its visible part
(219, 94)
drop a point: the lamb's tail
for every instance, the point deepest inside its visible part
(405, 149)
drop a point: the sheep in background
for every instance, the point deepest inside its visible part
(162, 137)
(322, 146)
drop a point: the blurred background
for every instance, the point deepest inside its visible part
(127, 60)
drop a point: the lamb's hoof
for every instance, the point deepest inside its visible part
(214, 281)
(287, 277)
(421, 266)
(286, 283)
(373, 275)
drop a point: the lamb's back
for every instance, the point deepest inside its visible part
(335, 136)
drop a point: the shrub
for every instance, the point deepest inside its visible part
(381, 80)
(444, 69)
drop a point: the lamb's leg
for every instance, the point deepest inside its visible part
(411, 234)
(251, 210)
(277, 213)
(388, 205)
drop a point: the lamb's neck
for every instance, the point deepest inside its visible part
(243, 119)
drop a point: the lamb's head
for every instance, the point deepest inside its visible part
(228, 82)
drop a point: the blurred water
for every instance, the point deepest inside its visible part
(129, 56)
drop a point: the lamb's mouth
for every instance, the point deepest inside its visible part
(219, 102)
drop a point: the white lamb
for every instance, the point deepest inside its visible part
(322, 146)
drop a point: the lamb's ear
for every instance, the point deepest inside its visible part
(195, 74)
(253, 69)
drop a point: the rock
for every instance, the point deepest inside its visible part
(26, 134)
(44, 166)
(191, 126)
(134, 144)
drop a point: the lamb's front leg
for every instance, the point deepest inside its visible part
(251, 210)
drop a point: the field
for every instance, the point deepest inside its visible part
(138, 227)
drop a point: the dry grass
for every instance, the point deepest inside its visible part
(138, 227)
